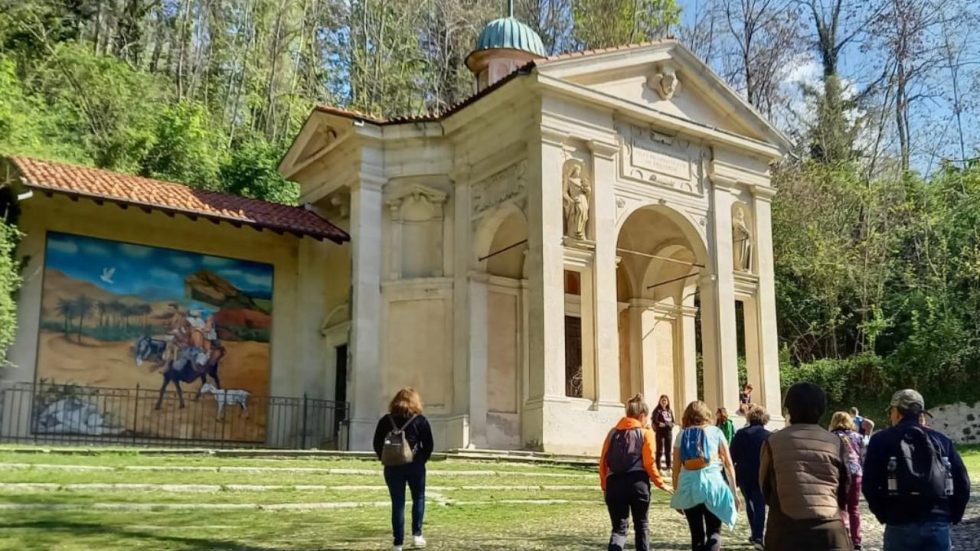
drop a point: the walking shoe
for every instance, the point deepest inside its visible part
(396, 548)
(418, 541)
(757, 545)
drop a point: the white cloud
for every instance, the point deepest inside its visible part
(62, 246)
(135, 251)
(263, 281)
(95, 250)
(161, 274)
(216, 262)
(182, 262)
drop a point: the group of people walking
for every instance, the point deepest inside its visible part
(810, 479)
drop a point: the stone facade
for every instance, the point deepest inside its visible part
(531, 259)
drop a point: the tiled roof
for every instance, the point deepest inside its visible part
(103, 185)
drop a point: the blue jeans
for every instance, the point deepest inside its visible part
(396, 477)
(917, 536)
(755, 507)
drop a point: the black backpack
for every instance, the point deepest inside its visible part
(921, 471)
(625, 450)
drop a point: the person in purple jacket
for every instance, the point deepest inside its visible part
(663, 429)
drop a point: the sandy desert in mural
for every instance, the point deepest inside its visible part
(117, 317)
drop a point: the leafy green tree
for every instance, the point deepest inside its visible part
(251, 171)
(186, 147)
(607, 23)
(9, 283)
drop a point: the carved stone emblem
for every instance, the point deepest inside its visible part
(665, 83)
(500, 187)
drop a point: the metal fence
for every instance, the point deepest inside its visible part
(72, 414)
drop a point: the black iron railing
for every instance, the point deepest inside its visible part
(45, 413)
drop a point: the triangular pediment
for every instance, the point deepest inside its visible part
(666, 77)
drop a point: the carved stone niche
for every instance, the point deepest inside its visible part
(669, 161)
(416, 232)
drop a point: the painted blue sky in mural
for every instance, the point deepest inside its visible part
(151, 273)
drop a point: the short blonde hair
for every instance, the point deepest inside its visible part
(637, 406)
(696, 414)
(406, 402)
(842, 421)
(757, 415)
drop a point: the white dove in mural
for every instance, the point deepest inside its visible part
(107, 274)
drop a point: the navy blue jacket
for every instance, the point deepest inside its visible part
(885, 444)
(746, 448)
(418, 434)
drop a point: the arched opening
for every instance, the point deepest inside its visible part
(661, 257)
(503, 263)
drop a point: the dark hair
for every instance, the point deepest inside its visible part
(661, 399)
(806, 403)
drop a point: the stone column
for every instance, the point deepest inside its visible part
(643, 348)
(366, 339)
(753, 359)
(770, 395)
(687, 379)
(590, 360)
(718, 305)
(546, 285)
(477, 359)
(604, 275)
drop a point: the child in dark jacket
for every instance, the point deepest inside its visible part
(663, 429)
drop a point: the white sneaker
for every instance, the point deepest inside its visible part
(418, 542)
(396, 548)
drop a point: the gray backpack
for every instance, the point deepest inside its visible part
(396, 450)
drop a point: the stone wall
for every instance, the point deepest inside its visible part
(960, 421)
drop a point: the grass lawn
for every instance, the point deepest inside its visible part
(129, 501)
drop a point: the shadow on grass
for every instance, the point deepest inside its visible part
(80, 529)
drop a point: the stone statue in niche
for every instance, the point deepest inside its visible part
(665, 83)
(741, 242)
(576, 201)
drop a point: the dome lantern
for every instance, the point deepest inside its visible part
(504, 45)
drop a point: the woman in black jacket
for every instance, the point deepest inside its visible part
(663, 427)
(405, 417)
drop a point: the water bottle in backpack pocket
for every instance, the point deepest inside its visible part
(920, 467)
(397, 450)
(694, 449)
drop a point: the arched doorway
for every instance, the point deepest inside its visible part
(498, 296)
(661, 257)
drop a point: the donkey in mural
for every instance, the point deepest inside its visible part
(191, 363)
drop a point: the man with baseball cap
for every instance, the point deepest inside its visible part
(914, 479)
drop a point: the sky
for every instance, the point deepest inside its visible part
(932, 117)
(148, 272)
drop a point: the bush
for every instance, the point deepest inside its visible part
(844, 380)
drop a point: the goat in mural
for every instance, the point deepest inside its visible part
(228, 397)
(190, 364)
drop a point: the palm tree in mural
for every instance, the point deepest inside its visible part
(66, 309)
(83, 307)
(144, 310)
(102, 307)
(116, 308)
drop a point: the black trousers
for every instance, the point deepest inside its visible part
(625, 494)
(705, 529)
(664, 446)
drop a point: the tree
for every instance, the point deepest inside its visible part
(66, 309)
(251, 171)
(9, 283)
(82, 308)
(607, 23)
(186, 147)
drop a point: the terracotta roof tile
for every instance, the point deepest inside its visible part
(110, 186)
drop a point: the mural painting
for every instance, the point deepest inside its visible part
(117, 317)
